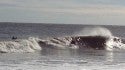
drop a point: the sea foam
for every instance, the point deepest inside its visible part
(20, 45)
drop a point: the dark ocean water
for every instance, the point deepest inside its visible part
(53, 59)
(24, 30)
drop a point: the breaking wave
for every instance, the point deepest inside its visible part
(84, 42)
(96, 38)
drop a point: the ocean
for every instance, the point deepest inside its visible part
(35, 46)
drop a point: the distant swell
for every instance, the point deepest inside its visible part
(94, 38)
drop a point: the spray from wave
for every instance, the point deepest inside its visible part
(94, 31)
(96, 38)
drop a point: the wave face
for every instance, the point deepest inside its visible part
(89, 38)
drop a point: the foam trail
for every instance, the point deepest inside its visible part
(20, 45)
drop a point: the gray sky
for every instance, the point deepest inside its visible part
(63, 11)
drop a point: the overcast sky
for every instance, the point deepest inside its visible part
(63, 11)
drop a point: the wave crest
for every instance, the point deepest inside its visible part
(94, 31)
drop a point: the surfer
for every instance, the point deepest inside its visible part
(14, 38)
